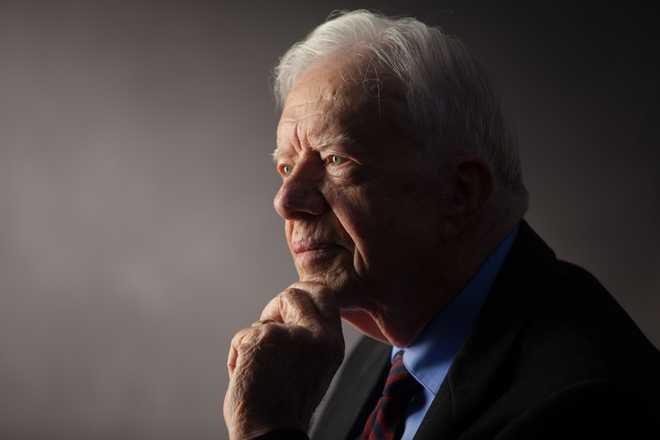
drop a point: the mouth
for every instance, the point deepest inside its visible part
(315, 255)
(301, 247)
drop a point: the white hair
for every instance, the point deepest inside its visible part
(449, 99)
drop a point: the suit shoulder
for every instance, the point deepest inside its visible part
(568, 296)
(605, 410)
(576, 331)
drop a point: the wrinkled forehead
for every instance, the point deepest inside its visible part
(335, 98)
(329, 88)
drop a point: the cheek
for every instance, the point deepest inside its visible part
(404, 212)
(361, 220)
(351, 210)
(350, 206)
(382, 215)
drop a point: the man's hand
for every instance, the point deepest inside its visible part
(281, 366)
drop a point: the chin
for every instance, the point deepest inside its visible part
(345, 285)
(351, 293)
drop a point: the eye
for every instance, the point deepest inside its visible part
(334, 159)
(285, 169)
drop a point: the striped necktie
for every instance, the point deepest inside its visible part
(387, 420)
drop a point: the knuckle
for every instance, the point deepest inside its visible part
(291, 301)
(252, 338)
(242, 338)
(292, 294)
(236, 338)
(314, 289)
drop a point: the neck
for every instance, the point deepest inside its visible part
(410, 307)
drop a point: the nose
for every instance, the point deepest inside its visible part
(300, 197)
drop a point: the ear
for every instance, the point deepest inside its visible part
(473, 185)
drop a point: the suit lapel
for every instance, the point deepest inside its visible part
(480, 372)
(354, 394)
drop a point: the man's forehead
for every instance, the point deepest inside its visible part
(300, 111)
(308, 126)
(313, 97)
(314, 110)
(337, 103)
(329, 82)
(306, 120)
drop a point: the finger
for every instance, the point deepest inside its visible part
(326, 319)
(246, 342)
(272, 311)
(324, 299)
(263, 322)
(242, 341)
(295, 307)
(231, 361)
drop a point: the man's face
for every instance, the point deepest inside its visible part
(361, 202)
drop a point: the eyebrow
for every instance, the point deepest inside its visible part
(322, 142)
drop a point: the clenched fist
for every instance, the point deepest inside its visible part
(281, 366)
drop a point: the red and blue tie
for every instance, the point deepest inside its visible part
(387, 420)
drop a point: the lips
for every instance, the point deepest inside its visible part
(299, 247)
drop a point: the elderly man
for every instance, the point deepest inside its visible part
(402, 199)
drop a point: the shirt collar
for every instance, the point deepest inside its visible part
(428, 359)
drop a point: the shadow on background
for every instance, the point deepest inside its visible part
(138, 235)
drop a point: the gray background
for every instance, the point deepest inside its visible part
(137, 231)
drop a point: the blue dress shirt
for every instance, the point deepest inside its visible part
(428, 359)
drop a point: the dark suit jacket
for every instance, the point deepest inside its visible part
(552, 356)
